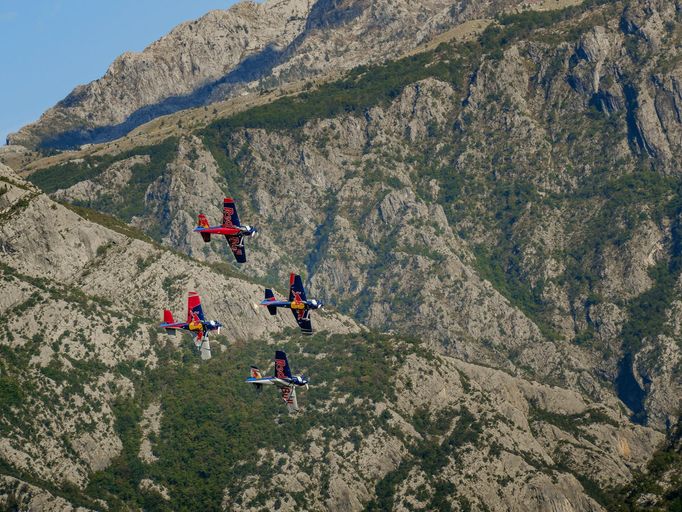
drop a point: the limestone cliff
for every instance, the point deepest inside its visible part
(95, 400)
(504, 208)
(471, 207)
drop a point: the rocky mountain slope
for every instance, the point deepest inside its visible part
(660, 486)
(79, 309)
(510, 201)
(513, 199)
(100, 411)
(247, 48)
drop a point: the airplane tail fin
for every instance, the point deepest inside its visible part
(203, 223)
(256, 374)
(168, 319)
(296, 287)
(194, 307)
(270, 296)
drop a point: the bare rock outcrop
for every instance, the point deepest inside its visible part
(251, 45)
(18, 495)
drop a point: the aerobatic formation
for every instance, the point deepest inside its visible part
(200, 328)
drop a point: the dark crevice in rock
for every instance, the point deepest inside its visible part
(322, 233)
(629, 390)
(635, 137)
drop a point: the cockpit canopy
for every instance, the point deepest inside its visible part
(301, 380)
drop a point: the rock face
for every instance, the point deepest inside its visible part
(18, 495)
(81, 288)
(460, 435)
(245, 48)
(457, 197)
(79, 283)
(469, 209)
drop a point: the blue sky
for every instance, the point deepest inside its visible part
(50, 46)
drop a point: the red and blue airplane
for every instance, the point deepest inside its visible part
(283, 379)
(196, 324)
(231, 228)
(299, 305)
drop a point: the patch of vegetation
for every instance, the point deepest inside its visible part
(65, 175)
(11, 394)
(386, 487)
(109, 221)
(433, 425)
(570, 423)
(212, 426)
(364, 87)
(430, 456)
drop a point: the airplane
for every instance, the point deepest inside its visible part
(196, 324)
(283, 379)
(231, 228)
(297, 302)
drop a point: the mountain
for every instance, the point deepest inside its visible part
(245, 49)
(101, 411)
(457, 194)
(500, 210)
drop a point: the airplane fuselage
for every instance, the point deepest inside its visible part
(304, 304)
(206, 327)
(279, 381)
(227, 230)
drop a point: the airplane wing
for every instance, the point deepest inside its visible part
(259, 380)
(194, 307)
(282, 370)
(302, 317)
(230, 215)
(237, 248)
(296, 289)
(289, 397)
(175, 325)
(275, 303)
(205, 349)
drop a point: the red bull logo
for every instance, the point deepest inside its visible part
(227, 217)
(279, 369)
(297, 303)
(234, 245)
